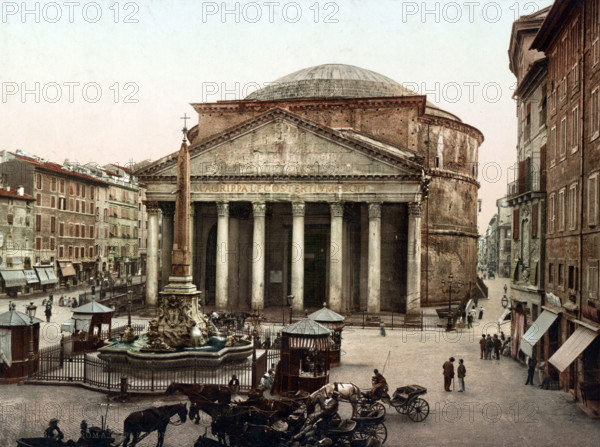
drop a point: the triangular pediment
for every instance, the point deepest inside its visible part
(283, 144)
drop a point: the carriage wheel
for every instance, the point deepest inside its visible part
(418, 410)
(401, 408)
(373, 431)
(379, 406)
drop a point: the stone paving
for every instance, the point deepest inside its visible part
(497, 408)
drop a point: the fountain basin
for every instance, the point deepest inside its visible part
(213, 353)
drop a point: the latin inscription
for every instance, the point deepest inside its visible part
(293, 188)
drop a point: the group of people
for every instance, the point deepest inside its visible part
(448, 368)
(491, 347)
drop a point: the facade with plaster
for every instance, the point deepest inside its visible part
(335, 184)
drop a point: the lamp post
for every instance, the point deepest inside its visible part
(452, 287)
(290, 298)
(30, 313)
(129, 300)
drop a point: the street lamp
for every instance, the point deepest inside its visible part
(290, 298)
(31, 313)
(129, 300)
(452, 287)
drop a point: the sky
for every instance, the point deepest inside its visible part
(107, 82)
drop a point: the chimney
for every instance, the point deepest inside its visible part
(21, 190)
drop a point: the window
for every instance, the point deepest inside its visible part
(561, 209)
(527, 122)
(70, 251)
(105, 215)
(76, 252)
(91, 231)
(62, 203)
(53, 202)
(38, 222)
(92, 192)
(71, 232)
(71, 188)
(38, 181)
(551, 273)
(71, 207)
(61, 229)
(92, 208)
(10, 218)
(516, 224)
(595, 31)
(572, 206)
(553, 146)
(543, 107)
(592, 278)
(91, 252)
(592, 204)
(563, 137)
(76, 206)
(82, 252)
(38, 243)
(574, 129)
(62, 186)
(52, 243)
(38, 199)
(594, 114)
(572, 278)
(61, 251)
(53, 224)
(83, 191)
(76, 230)
(53, 184)
(77, 189)
(105, 233)
(534, 220)
(560, 275)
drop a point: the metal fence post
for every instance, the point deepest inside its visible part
(152, 378)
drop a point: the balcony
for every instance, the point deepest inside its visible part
(530, 178)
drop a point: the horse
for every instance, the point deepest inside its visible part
(345, 391)
(213, 409)
(150, 420)
(212, 393)
(280, 408)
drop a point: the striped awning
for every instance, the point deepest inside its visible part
(46, 275)
(318, 344)
(31, 277)
(13, 278)
(572, 348)
(537, 331)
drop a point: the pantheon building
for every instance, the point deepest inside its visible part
(333, 184)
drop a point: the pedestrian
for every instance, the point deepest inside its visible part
(530, 369)
(48, 312)
(74, 302)
(461, 373)
(489, 347)
(469, 320)
(482, 346)
(234, 385)
(481, 309)
(448, 373)
(502, 336)
(382, 329)
(497, 346)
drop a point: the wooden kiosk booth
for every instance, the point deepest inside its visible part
(304, 361)
(87, 325)
(335, 322)
(17, 331)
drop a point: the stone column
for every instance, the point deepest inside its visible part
(234, 264)
(168, 211)
(413, 270)
(221, 283)
(335, 257)
(259, 210)
(297, 254)
(374, 266)
(152, 261)
(192, 231)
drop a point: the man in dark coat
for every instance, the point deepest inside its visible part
(448, 373)
(497, 346)
(489, 347)
(379, 385)
(530, 370)
(48, 312)
(482, 346)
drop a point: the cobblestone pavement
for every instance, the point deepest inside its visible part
(497, 409)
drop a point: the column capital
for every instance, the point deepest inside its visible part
(259, 209)
(167, 208)
(414, 209)
(375, 210)
(223, 209)
(337, 209)
(152, 206)
(298, 209)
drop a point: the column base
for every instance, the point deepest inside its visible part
(413, 318)
(180, 284)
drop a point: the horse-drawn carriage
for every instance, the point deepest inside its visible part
(405, 400)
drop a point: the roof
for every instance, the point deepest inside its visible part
(556, 19)
(326, 315)
(127, 170)
(12, 194)
(92, 307)
(58, 169)
(16, 318)
(306, 326)
(338, 81)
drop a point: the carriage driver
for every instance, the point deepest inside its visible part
(379, 386)
(49, 433)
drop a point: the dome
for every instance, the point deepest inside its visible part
(338, 81)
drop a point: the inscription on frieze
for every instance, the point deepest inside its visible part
(289, 188)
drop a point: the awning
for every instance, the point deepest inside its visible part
(13, 278)
(66, 268)
(46, 275)
(82, 322)
(319, 344)
(31, 277)
(505, 316)
(536, 331)
(5, 347)
(572, 348)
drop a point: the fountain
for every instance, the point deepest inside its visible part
(181, 330)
